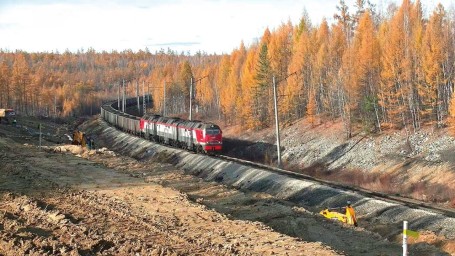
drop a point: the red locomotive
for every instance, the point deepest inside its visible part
(194, 135)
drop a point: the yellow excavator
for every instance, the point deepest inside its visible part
(343, 214)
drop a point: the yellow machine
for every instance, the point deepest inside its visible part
(346, 215)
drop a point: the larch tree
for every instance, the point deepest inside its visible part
(38, 79)
(448, 66)
(345, 20)
(183, 88)
(337, 48)
(416, 54)
(280, 52)
(409, 13)
(360, 6)
(451, 117)
(321, 68)
(5, 96)
(206, 92)
(395, 69)
(311, 110)
(367, 68)
(280, 49)
(234, 81)
(21, 81)
(227, 90)
(433, 65)
(248, 101)
(383, 97)
(294, 92)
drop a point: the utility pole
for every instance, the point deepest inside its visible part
(277, 123)
(123, 93)
(118, 98)
(55, 106)
(91, 103)
(191, 94)
(126, 93)
(148, 94)
(137, 96)
(143, 99)
(164, 99)
(191, 98)
(275, 102)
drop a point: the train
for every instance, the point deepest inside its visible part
(194, 135)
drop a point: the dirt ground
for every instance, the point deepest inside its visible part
(54, 203)
(62, 200)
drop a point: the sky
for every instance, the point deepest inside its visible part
(211, 26)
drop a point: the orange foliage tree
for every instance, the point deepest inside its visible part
(394, 70)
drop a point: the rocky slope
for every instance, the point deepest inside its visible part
(418, 165)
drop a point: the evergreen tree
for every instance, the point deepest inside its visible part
(263, 80)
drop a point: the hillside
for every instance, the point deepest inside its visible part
(419, 167)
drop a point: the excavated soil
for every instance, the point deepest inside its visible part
(54, 203)
(64, 200)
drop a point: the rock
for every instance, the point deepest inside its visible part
(26, 208)
(56, 217)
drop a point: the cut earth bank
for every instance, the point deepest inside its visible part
(65, 200)
(287, 205)
(415, 164)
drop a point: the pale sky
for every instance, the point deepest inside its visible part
(213, 26)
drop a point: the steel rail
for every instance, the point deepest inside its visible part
(404, 201)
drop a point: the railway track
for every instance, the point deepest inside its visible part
(408, 202)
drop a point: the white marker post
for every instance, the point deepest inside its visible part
(405, 238)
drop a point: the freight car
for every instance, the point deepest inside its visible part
(193, 135)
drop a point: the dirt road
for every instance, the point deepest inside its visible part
(60, 204)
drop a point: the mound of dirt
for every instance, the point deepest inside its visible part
(55, 203)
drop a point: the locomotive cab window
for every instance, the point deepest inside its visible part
(212, 131)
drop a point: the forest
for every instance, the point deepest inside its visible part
(370, 70)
